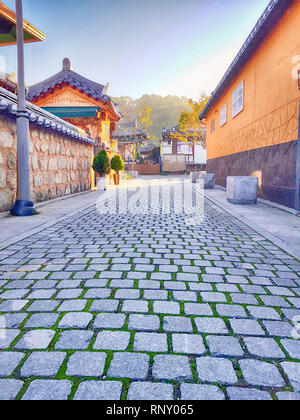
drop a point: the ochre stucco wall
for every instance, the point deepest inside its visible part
(271, 96)
(59, 165)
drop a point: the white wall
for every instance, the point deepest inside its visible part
(200, 154)
(166, 149)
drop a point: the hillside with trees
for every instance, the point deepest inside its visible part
(165, 111)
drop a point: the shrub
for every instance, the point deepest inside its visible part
(101, 164)
(117, 164)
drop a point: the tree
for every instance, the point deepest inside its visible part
(144, 116)
(101, 164)
(190, 128)
(117, 164)
(165, 112)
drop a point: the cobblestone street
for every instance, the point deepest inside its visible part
(155, 304)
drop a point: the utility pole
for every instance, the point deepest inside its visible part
(23, 205)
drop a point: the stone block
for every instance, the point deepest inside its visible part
(195, 176)
(242, 189)
(209, 181)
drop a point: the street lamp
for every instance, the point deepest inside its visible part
(17, 31)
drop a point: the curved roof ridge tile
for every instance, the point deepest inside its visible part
(68, 76)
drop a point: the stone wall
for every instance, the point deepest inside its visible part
(274, 166)
(60, 165)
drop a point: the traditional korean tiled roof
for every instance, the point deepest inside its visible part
(168, 132)
(268, 20)
(129, 130)
(41, 118)
(67, 75)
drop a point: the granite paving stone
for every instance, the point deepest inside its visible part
(143, 391)
(43, 306)
(72, 305)
(166, 308)
(109, 320)
(7, 336)
(104, 305)
(259, 373)
(48, 390)
(112, 340)
(35, 339)
(69, 294)
(245, 394)
(86, 364)
(177, 324)
(211, 326)
(9, 389)
(150, 342)
(231, 311)
(11, 320)
(213, 370)
(292, 370)
(260, 312)
(278, 328)
(213, 297)
(74, 340)
(170, 367)
(288, 396)
(188, 344)
(138, 306)
(185, 296)
(75, 320)
(42, 320)
(43, 364)
(195, 392)
(292, 347)
(155, 295)
(246, 327)
(198, 309)
(99, 391)
(144, 322)
(224, 346)
(263, 347)
(129, 365)
(127, 294)
(275, 301)
(9, 361)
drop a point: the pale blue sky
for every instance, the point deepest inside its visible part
(177, 47)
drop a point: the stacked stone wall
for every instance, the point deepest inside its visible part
(60, 165)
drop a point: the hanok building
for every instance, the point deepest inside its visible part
(80, 102)
(253, 114)
(130, 138)
(183, 156)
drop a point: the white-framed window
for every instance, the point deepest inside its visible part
(238, 99)
(223, 116)
(183, 148)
